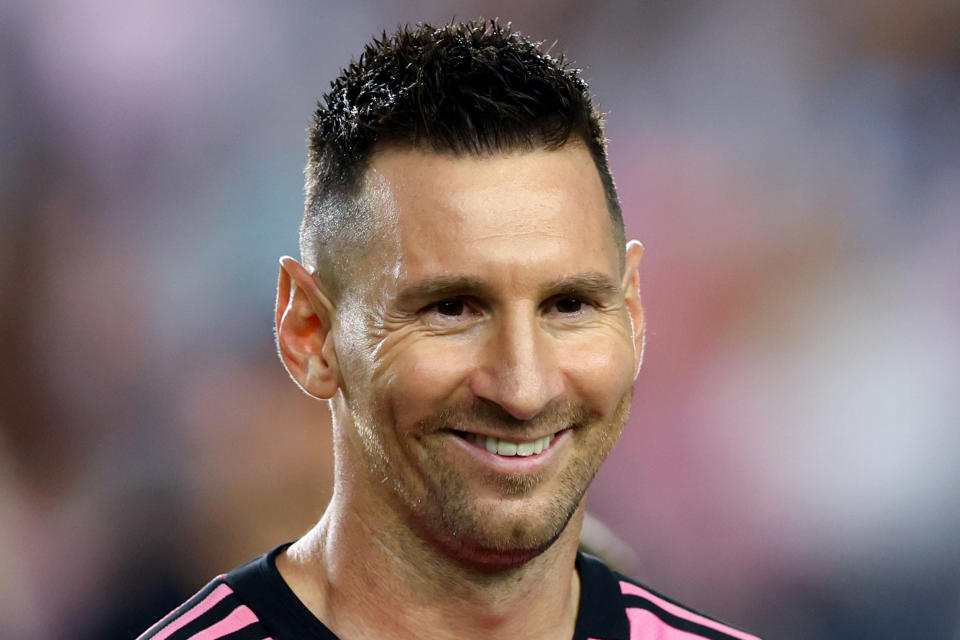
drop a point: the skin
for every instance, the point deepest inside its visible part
(494, 303)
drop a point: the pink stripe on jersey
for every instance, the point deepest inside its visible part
(630, 589)
(194, 612)
(238, 619)
(647, 626)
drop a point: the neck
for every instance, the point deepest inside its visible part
(364, 580)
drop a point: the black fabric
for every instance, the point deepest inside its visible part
(249, 632)
(601, 613)
(208, 618)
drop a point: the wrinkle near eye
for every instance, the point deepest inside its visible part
(450, 315)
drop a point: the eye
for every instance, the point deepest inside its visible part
(450, 310)
(569, 305)
(449, 307)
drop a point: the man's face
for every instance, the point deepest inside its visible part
(487, 356)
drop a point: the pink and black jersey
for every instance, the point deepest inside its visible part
(254, 603)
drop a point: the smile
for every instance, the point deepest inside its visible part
(508, 448)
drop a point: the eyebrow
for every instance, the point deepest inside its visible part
(592, 283)
(596, 284)
(442, 286)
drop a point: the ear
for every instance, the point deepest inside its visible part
(631, 288)
(304, 340)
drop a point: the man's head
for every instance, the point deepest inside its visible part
(480, 345)
(463, 89)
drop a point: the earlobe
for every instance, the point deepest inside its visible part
(631, 287)
(303, 330)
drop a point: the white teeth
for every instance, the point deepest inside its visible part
(525, 449)
(509, 448)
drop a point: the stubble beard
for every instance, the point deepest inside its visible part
(442, 510)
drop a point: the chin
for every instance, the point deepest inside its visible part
(490, 561)
(487, 556)
(494, 542)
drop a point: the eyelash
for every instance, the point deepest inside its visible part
(435, 307)
(586, 304)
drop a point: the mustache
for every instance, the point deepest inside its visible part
(469, 414)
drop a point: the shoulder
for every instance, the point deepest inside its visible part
(216, 611)
(252, 602)
(621, 607)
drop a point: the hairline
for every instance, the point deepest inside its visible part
(355, 194)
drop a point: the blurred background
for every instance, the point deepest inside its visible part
(793, 168)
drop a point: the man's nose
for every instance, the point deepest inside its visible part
(519, 368)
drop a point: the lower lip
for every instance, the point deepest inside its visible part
(515, 464)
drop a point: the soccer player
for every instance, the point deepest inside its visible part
(470, 309)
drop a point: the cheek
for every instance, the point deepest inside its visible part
(425, 377)
(599, 372)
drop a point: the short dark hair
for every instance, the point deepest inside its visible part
(465, 88)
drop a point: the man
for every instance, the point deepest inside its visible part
(469, 307)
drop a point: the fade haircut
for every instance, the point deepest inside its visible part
(475, 88)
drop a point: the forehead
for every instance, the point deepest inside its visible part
(511, 215)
